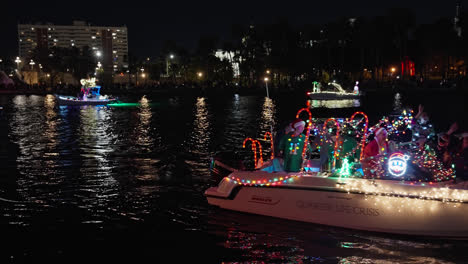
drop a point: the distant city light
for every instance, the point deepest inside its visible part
(200, 74)
(393, 69)
(171, 56)
(98, 53)
(266, 79)
(268, 71)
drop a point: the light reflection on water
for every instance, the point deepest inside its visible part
(106, 168)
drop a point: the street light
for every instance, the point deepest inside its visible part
(200, 74)
(98, 54)
(171, 56)
(18, 61)
(268, 71)
(32, 63)
(266, 84)
(393, 69)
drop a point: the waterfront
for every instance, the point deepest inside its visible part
(127, 183)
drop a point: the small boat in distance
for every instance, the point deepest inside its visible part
(90, 94)
(337, 93)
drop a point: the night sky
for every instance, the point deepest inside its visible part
(150, 23)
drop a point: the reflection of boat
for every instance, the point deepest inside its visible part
(412, 209)
(394, 201)
(90, 95)
(338, 93)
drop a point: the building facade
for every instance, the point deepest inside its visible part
(108, 44)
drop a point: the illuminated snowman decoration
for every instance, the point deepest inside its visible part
(397, 164)
(356, 88)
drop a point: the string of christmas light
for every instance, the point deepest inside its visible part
(254, 149)
(309, 126)
(427, 159)
(264, 182)
(335, 149)
(370, 187)
(271, 143)
(364, 135)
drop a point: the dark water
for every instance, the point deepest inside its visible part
(104, 184)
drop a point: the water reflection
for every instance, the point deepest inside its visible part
(144, 143)
(95, 139)
(143, 129)
(267, 123)
(397, 104)
(239, 122)
(346, 103)
(200, 138)
(201, 133)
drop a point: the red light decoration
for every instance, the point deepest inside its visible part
(364, 136)
(271, 143)
(254, 148)
(407, 67)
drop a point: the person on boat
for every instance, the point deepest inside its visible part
(447, 143)
(461, 159)
(422, 130)
(377, 148)
(279, 135)
(291, 147)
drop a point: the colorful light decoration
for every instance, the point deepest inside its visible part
(254, 149)
(427, 159)
(309, 125)
(271, 143)
(345, 170)
(371, 188)
(397, 164)
(364, 135)
(264, 182)
(335, 149)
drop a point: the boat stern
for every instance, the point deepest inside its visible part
(222, 191)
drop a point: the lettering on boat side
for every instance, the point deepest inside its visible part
(263, 200)
(339, 208)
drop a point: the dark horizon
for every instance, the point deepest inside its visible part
(151, 24)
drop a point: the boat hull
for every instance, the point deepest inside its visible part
(321, 203)
(332, 96)
(69, 100)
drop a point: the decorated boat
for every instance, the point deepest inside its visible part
(336, 92)
(408, 192)
(90, 94)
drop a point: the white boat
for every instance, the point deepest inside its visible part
(388, 206)
(332, 96)
(336, 93)
(72, 100)
(91, 95)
